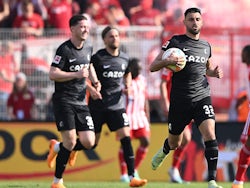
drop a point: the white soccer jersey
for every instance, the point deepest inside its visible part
(136, 104)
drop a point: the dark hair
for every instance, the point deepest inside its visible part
(107, 29)
(134, 67)
(75, 19)
(246, 52)
(192, 10)
(247, 49)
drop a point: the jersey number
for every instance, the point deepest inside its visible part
(90, 122)
(209, 110)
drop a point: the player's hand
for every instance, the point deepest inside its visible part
(95, 94)
(218, 72)
(98, 86)
(174, 60)
(83, 73)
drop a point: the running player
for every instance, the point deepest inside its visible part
(111, 67)
(244, 159)
(179, 153)
(190, 93)
(137, 108)
(70, 69)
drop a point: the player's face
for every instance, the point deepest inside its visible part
(81, 30)
(193, 23)
(112, 39)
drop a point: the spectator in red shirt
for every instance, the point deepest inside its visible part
(9, 68)
(59, 11)
(31, 22)
(116, 16)
(21, 101)
(147, 16)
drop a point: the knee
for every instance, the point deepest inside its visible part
(174, 145)
(145, 142)
(69, 144)
(89, 144)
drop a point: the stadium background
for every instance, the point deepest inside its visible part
(23, 145)
(21, 161)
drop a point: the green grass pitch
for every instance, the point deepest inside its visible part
(43, 184)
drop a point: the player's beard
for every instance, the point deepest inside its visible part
(113, 46)
(194, 31)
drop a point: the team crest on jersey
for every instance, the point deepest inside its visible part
(88, 57)
(123, 67)
(57, 59)
(165, 45)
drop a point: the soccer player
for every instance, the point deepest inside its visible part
(70, 69)
(111, 65)
(190, 93)
(137, 108)
(178, 155)
(244, 158)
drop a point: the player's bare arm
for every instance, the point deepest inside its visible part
(93, 78)
(93, 91)
(127, 82)
(213, 71)
(160, 63)
(58, 75)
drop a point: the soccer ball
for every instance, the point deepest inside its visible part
(177, 53)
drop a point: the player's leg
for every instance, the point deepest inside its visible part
(143, 136)
(123, 167)
(68, 142)
(178, 156)
(86, 134)
(170, 143)
(244, 157)
(179, 117)
(65, 123)
(118, 121)
(205, 119)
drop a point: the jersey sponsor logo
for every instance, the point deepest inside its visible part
(72, 60)
(113, 74)
(185, 49)
(57, 59)
(196, 59)
(106, 66)
(75, 68)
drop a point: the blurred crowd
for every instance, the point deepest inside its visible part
(34, 15)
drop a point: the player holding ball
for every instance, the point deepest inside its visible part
(190, 93)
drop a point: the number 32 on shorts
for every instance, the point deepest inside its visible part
(209, 110)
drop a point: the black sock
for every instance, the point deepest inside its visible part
(128, 154)
(211, 154)
(79, 146)
(61, 161)
(166, 147)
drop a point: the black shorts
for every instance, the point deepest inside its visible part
(182, 112)
(69, 116)
(114, 119)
